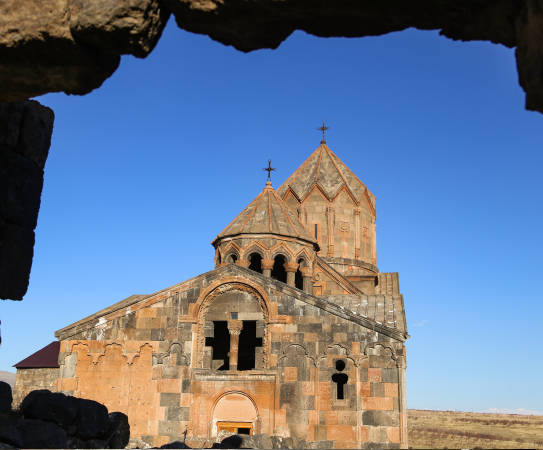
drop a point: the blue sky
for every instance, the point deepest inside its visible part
(144, 172)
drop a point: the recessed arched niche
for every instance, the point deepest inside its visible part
(234, 413)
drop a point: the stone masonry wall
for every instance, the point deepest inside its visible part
(29, 379)
(343, 226)
(145, 360)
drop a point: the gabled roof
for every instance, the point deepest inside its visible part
(46, 357)
(267, 214)
(326, 170)
(383, 313)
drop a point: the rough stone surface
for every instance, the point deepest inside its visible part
(42, 404)
(137, 443)
(118, 432)
(74, 45)
(234, 441)
(71, 45)
(119, 26)
(92, 419)
(266, 23)
(40, 434)
(6, 397)
(30, 379)
(10, 435)
(175, 444)
(261, 440)
(54, 407)
(529, 53)
(25, 137)
(40, 55)
(75, 442)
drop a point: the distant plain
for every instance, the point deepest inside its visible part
(447, 429)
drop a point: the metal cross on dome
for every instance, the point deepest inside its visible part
(323, 129)
(269, 169)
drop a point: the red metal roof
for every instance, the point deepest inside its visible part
(46, 357)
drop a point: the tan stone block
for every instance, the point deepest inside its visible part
(311, 337)
(340, 337)
(364, 389)
(69, 384)
(310, 430)
(331, 417)
(172, 386)
(291, 374)
(341, 433)
(308, 388)
(325, 403)
(286, 337)
(356, 348)
(146, 312)
(324, 389)
(346, 418)
(280, 417)
(346, 444)
(378, 403)
(393, 434)
(374, 375)
(276, 328)
(391, 390)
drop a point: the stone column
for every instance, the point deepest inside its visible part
(307, 273)
(357, 233)
(291, 268)
(234, 328)
(374, 243)
(267, 267)
(330, 217)
(243, 262)
(302, 215)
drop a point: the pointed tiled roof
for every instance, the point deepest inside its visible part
(324, 168)
(267, 214)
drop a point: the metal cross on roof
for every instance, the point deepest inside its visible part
(269, 169)
(323, 129)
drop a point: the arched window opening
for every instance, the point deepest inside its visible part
(340, 379)
(231, 258)
(299, 279)
(279, 273)
(256, 262)
(218, 259)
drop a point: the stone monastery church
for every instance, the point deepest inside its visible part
(295, 332)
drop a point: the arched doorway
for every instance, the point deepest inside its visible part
(236, 413)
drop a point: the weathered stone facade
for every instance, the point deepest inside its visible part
(275, 339)
(32, 379)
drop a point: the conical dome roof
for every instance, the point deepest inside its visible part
(267, 214)
(326, 170)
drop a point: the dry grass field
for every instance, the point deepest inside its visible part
(444, 429)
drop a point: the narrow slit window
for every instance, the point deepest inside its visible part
(315, 231)
(234, 316)
(340, 379)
